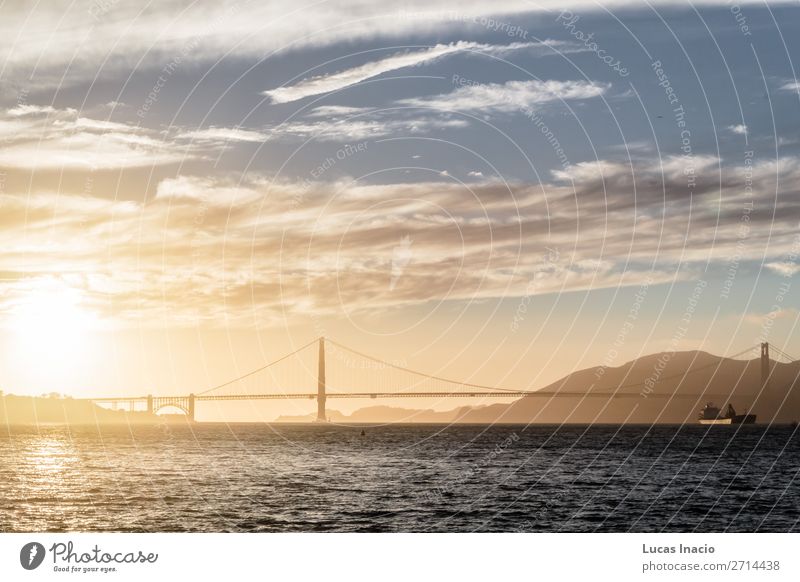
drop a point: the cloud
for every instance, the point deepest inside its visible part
(762, 318)
(784, 268)
(337, 81)
(60, 32)
(51, 36)
(209, 191)
(46, 138)
(791, 86)
(475, 174)
(339, 123)
(364, 127)
(225, 134)
(349, 77)
(336, 111)
(738, 129)
(252, 248)
(60, 139)
(25, 110)
(508, 97)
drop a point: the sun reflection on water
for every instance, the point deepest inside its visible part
(51, 457)
(43, 469)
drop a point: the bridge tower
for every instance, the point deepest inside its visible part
(149, 404)
(321, 416)
(765, 367)
(190, 407)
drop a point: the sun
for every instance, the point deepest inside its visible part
(51, 326)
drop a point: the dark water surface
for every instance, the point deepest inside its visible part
(399, 478)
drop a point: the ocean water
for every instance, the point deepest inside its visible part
(399, 478)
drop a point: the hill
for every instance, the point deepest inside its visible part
(28, 410)
(669, 387)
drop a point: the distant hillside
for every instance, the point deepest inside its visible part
(698, 373)
(693, 375)
(24, 410)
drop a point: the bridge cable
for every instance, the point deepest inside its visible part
(784, 354)
(495, 388)
(779, 355)
(422, 374)
(261, 369)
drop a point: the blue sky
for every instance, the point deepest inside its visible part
(723, 78)
(353, 168)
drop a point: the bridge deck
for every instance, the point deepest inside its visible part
(374, 395)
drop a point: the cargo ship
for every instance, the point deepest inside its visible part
(712, 415)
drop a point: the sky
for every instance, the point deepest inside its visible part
(499, 192)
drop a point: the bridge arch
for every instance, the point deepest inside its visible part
(186, 404)
(159, 407)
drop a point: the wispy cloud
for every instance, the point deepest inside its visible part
(349, 77)
(761, 318)
(738, 129)
(124, 34)
(403, 117)
(198, 250)
(361, 128)
(508, 97)
(225, 134)
(784, 268)
(53, 35)
(336, 111)
(24, 110)
(48, 138)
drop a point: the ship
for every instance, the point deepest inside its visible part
(712, 415)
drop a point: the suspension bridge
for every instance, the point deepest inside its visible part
(441, 388)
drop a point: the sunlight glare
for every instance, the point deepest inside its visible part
(51, 326)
